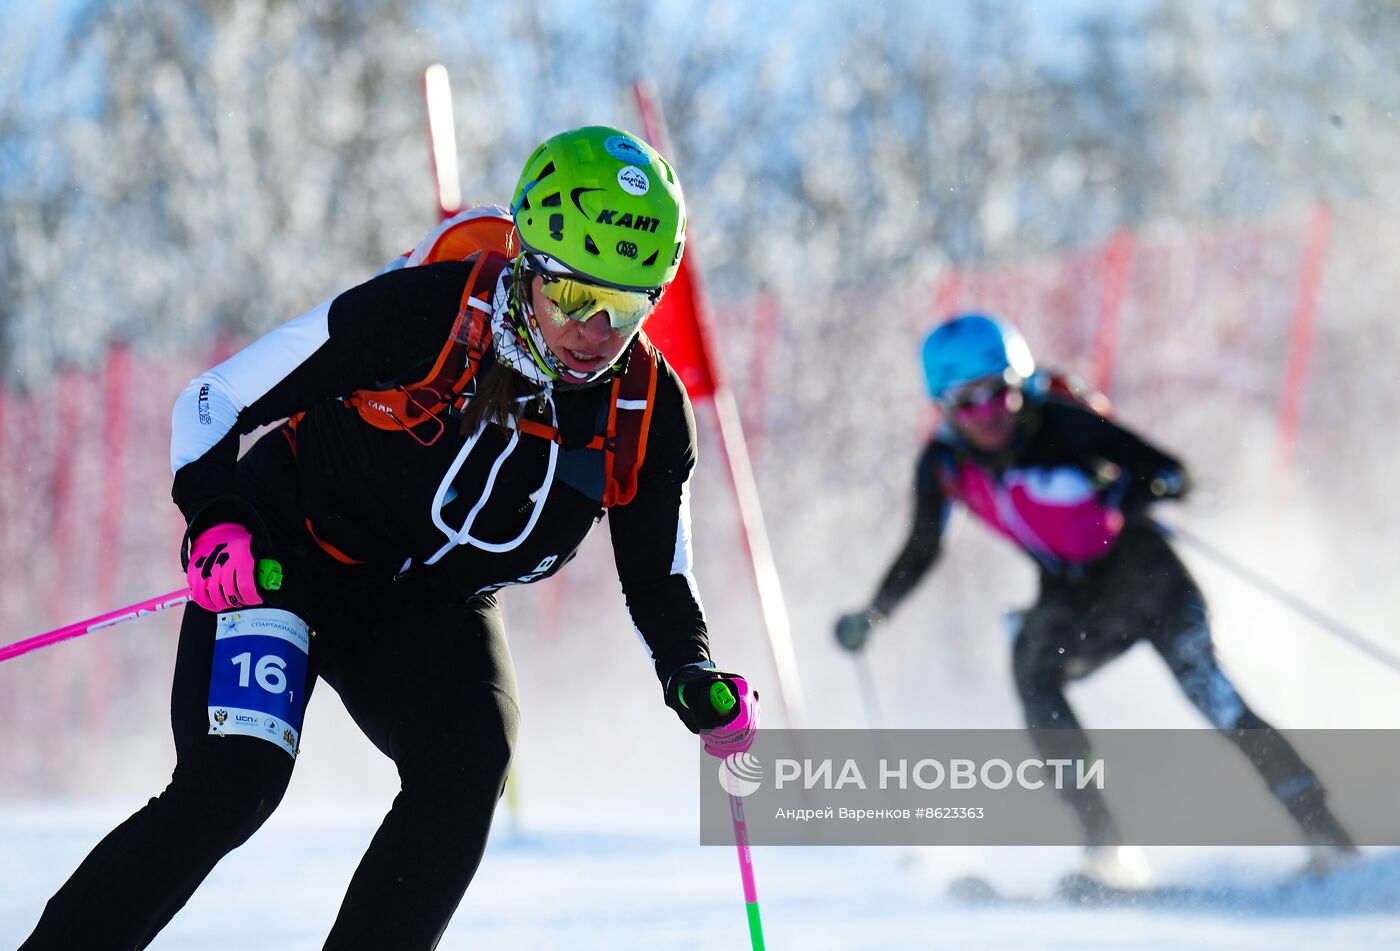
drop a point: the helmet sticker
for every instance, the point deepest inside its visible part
(633, 180)
(624, 149)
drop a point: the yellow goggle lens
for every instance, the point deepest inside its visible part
(579, 301)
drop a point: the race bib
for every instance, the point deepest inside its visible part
(257, 686)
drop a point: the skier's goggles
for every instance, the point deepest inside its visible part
(977, 393)
(580, 300)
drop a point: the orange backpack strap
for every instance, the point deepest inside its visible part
(531, 427)
(409, 405)
(487, 234)
(629, 422)
(330, 549)
(471, 331)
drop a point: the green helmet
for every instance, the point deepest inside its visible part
(605, 205)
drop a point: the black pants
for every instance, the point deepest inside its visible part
(1143, 592)
(429, 681)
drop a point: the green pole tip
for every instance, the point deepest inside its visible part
(755, 925)
(721, 697)
(269, 574)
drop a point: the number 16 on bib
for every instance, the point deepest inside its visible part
(257, 685)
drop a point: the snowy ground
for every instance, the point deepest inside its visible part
(604, 853)
(552, 886)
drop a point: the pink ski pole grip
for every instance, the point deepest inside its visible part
(738, 734)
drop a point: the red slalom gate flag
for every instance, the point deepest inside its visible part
(676, 331)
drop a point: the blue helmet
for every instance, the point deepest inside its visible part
(972, 346)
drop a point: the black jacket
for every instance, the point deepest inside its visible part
(370, 492)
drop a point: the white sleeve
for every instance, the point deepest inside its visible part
(682, 556)
(207, 410)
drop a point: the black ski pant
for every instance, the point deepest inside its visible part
(429, 681)
(1142, 591)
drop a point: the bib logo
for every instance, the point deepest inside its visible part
(740, 774)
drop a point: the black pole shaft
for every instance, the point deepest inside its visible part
(867, 689)
(1356, 639)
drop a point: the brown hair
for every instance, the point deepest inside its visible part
(498, 390)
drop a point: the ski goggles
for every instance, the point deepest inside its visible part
(978, 399)
(579, 300)
(977, 393)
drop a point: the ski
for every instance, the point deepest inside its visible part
(1294, 890)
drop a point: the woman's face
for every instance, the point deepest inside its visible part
(984, 412)
(585, 347)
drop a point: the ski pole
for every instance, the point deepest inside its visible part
(1357, 640)
(722, 699)
(875, 721)
(867, 689)
(269, 578)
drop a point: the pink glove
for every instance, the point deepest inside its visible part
(222, 572)
(738, 734)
